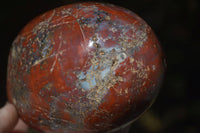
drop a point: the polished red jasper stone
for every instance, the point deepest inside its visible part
(85, 67)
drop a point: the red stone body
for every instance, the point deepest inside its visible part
(85, 67)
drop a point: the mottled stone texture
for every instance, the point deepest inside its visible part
(86, 67)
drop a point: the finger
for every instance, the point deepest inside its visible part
(21, 127)
(8, 118)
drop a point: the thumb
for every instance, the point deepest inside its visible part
(8, 118)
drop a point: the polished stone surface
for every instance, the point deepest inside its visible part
(86, 67)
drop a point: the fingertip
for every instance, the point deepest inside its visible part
(21, 127)
(8, 118)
